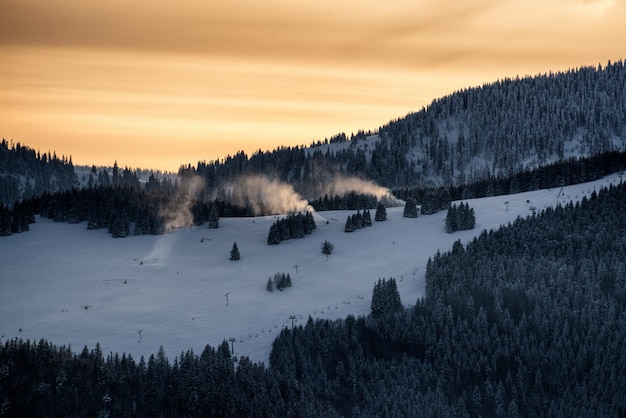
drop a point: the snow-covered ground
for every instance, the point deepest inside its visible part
(74, 286)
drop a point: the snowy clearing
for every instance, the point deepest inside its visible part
(74, 286)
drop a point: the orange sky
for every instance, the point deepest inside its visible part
(156, 84)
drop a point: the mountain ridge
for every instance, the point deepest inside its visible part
(500, 128)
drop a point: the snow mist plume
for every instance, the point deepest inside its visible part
(341, 185)
(177, 213)
(159, 255)
(265, 196)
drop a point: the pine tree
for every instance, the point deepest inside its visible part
(381, 213)
(234, 253)
(357, 220)
(367, 218)
(349, 227)
(309, 223)
(214, 218)
(451, 220)
(5, 220)
(297, 226)
(410, 208)
(274, 235)
(327, 248)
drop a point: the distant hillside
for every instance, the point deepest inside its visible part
(25, 173)
(506, 127)
(497, 129)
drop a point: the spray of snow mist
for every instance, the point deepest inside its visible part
(177, 213)
(266, 196)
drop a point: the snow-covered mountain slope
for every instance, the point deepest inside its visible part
(74, 286)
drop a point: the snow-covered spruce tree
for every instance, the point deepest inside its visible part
(381, 213)
(410, 208)
(349, 227)
(357, 220)
(234, 253)
(469, 218)
(309, 223)
(452, 224)
(214, 219)
(297, 226)
(273, 237)
(367, 218)
(328, 247)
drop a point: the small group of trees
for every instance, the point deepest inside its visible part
(358, 220)
(280, 281)
(385, 297)
(293, 226)
(460, 218)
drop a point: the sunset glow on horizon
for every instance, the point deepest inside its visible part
(156, 84)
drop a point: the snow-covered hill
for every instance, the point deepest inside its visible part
(74, 286)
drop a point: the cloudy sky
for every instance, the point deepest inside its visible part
(160, 83)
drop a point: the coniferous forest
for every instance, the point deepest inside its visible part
(526, 320)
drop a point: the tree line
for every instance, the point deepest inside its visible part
(132, 209)
(558, 174)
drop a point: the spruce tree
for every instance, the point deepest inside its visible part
(367, 218)
(349, 227)
(327, 248)
(274, 235)
(309, 223)
(287, 280)
(410, 208)
(358, 220)
(297, 226)
(214, 218)
(381, 213)
(451, 220)
(234, 253)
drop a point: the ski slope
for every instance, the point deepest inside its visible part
(78, 287)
